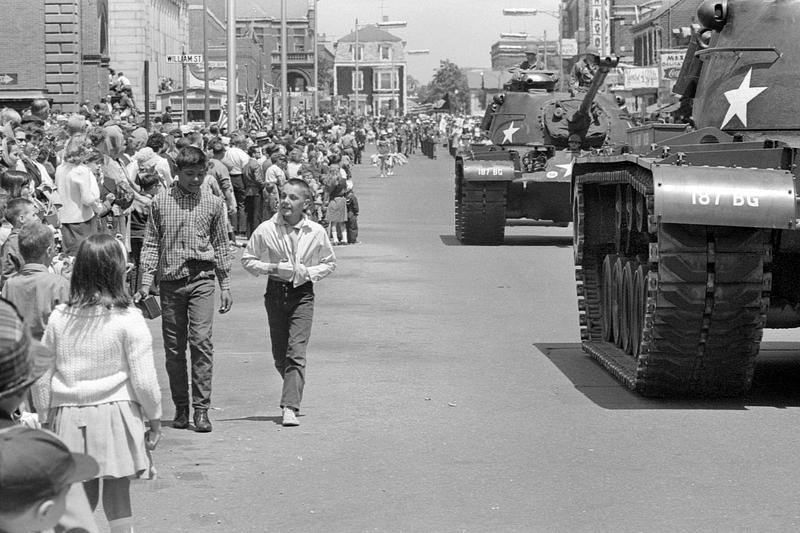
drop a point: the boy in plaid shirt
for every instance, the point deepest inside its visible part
(186, 241)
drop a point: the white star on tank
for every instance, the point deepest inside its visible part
(739, 98)
(508, 133)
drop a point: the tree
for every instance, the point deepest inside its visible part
(325, 74)
(450, 80)
(412, 85)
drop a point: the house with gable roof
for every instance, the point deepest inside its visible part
(381, 62)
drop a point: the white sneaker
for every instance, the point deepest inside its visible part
(289, 418)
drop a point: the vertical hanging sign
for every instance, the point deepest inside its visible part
(599, 21)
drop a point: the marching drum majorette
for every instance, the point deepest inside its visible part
(387, 156)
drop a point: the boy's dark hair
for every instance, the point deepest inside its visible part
(12, 181)
(98, 277)
(190, 156)
(34, 239)
(148, 179)
(155, 141)
(251, 151)
(303, 185)
(15, 207)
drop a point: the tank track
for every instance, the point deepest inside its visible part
(480, 212)
(682, 313)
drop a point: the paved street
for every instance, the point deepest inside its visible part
(447, 392)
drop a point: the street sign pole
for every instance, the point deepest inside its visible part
(231, 35)
(206, 95)
(184, 113)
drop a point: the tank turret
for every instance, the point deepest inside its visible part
(525, 171)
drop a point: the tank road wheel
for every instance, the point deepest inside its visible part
(481, 213)
(637, 306)
(607, 296)
(627, 304)
(617, 303)
(458, 208)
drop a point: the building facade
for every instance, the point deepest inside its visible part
(509, 53)
(57, 50)
(373, 64)
(147, 30)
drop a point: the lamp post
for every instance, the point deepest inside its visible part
(530, 12)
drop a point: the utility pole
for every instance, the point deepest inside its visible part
(316, 59)
(284, 74)
(355, 71)
(206, 96)
(231, 29)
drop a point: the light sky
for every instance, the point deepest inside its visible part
(461, 31)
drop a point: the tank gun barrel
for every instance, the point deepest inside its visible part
(604, 66)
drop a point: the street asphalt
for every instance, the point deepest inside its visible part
(446, 392)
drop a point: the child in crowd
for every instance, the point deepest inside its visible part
(37, 472)
(35, 290)
(38, 475)
(352, 214)
(18, 212)
(150, 184)
(295, 253)
(103, 381)
(186, 244)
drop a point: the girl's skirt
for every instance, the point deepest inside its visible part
(112, 433)
(337, 210)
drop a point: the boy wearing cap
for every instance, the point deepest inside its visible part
(38, 475)
(37, 472)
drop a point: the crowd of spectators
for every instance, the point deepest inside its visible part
(75, 197)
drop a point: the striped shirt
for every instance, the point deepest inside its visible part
(185, 227)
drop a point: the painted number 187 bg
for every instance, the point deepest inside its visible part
(714, 199)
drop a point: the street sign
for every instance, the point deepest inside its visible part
(641, 78)
(185, 58)
(8, 79)
(569, 47)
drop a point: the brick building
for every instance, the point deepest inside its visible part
(147, 30)
(54, 49)
(508, 53)
(381, 71)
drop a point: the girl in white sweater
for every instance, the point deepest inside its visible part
(103, 383)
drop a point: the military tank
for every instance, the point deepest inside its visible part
(523, 172)
(686, 247)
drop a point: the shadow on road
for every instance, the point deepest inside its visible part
(776, 382)
(274, 419)
(519, 240)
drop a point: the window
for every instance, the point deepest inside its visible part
(299, 44)
(383, 81)
(360, 79)
(386, 52)
(360, 52)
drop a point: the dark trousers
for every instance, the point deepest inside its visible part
(253, 208)
(352, 229)
(289, 313)
(187, 314)
(238, 218)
